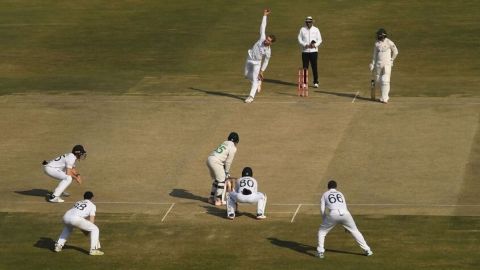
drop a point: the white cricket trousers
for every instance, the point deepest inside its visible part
(346, 220)
(65, 180)
(217, 172)
(252, 69)
(259, 198)
(382, 78)
(72, 221)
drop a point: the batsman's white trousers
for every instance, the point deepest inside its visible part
(65, 180)
(217, 172)
(346, 220)
(259, 198)
(382, 78)
(252, 69)
(72, 221)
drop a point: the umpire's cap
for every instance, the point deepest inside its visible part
(247, 171)
(309, 19)
(88, 195)
(233, 136)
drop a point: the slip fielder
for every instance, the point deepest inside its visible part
(77, 217)
(335, 202)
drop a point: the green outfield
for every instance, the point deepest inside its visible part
(150, 88)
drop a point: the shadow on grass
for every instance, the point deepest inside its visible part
(49, 243)
(344, 252)
(223, 94)
(185, 194)
(34, 192)
(298, 247)
(279, 82)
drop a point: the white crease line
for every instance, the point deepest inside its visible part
(355, 97)
(295, 214)
(168, 211)
(275, 204)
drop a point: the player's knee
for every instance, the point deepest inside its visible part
(68, 179)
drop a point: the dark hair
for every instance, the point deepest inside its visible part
(273, 37)
(233, 136)
(88, 195)
(332, 184)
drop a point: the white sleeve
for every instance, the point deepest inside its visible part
(94, 209)
(263, 26)
(374, 57)
(319, 41)
(322, 205)
(265, 62)
(70, 161)
(394, 50)
(228, 162)
(300, 38)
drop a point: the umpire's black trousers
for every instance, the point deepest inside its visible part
(311, 57)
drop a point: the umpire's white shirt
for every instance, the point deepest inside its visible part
(305, 37)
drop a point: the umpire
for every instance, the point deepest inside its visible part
(309, 39)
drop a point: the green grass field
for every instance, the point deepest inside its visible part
(151, 87)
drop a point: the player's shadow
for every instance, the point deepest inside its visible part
(279, 82)
(298, 247)
(185, 194)
(216, 211)
(348, 95)
(223, 94)
(344, 252)
(34, 192)
(49, 243)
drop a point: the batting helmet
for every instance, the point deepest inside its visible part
(247, 171)
(233, 136)
(381, 34)
(79, 151)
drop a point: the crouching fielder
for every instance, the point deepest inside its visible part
(76, 217)
(336, 204)
(245, 190)
(384, 53)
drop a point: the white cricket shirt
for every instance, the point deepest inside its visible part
(63, 162)
(84, 208)
(225, 153)
(333, 200)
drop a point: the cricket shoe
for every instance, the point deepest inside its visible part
(261, 216)
(65, 194)
(56, 199)
(315, 85)
(58, 247)
(368, 253)
(321, 255)
(231, 216)
(96, 252)
(249, 99)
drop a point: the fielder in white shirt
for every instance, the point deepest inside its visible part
(254, 67)
(245, 190)
(337, 213)
(219, 163)
(310, 39)
(384, 53)
(63, 169)
(77, 217)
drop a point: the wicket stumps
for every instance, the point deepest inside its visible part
(302, 90)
